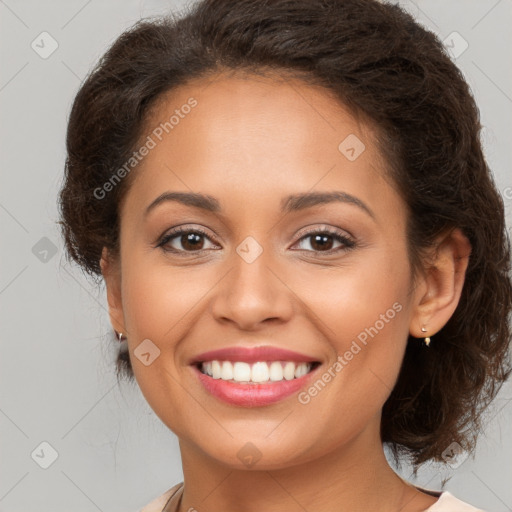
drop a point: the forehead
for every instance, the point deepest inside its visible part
(234, 137)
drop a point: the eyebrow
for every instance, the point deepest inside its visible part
(292, 203)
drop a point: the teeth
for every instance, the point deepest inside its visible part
(227, 371)
(241, 371)
(276, 371)
(261, 371)
(216, 370)
(300, 370)
(289, 371)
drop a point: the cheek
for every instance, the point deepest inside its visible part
(158, 298)
(158, 302)
(363, 313)
(354, 296)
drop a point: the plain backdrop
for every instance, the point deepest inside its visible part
(60, 404)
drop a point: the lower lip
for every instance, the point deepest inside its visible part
(252, 395)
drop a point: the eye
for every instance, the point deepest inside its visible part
(322, 241)
(191, 240)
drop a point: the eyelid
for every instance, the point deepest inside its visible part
(324, 228)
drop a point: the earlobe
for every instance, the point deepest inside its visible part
(112, 277)
(442, 285)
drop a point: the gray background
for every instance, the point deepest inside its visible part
(57, 380)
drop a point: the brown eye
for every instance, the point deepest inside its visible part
(323, 241)
(183, 240)
(191, 241)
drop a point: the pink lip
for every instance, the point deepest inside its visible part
(252, 355)
(252, 395)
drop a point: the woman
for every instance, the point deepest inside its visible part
(304, 252)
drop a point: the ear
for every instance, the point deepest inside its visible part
(438, 292)
(112, 276)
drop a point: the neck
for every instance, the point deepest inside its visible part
(353, 477)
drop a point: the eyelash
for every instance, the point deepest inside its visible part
(347, 242)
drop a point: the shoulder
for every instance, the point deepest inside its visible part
(158, 504)
(446, 502)
(449, 503)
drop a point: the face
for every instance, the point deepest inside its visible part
(328, 280)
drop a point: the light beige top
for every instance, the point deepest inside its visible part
(169, 501)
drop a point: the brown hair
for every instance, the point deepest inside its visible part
(382, 65)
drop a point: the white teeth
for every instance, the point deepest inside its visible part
(227, 371)
(301, 369)
(241, 371)
(260, 371)
(207, 368)
(276, 371)
(289, 371)
(216, 370)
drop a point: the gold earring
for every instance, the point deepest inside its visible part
(427, 339)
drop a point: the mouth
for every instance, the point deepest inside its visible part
(257, 384)
(250, 376)
(259, 372)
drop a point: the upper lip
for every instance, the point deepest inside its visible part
(252, 355)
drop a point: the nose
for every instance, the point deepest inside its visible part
(253, 295)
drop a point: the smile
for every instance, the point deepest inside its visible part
(258, 372)
(257, 384)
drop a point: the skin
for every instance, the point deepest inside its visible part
(250, 142)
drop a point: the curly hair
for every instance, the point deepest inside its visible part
(380, 64)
